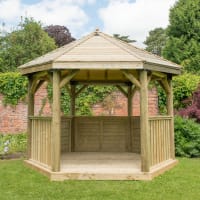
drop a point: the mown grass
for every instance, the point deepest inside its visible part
(19, 182)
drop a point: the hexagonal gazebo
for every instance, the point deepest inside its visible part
(100, 147)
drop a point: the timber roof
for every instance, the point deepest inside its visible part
(98, 51)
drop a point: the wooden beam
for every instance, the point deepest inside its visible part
(56, 124)
(159, 74)
(80, 90)
(124, 92)
(164, 83)
(68, 89)
(170, 112)
(30, 113)
(67, 78)
(144, 124)
(131, 78)
(39, 85)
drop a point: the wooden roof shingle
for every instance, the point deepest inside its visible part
(99, 51)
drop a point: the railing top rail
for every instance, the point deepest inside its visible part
(161, 117)
(40, 117)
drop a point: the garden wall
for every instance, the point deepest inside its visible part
(13, 119)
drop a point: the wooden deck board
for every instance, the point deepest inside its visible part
(101, 166)
(96, 162)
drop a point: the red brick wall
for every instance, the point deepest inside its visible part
(117, 105)
(13, 119)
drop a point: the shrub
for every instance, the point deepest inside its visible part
(187, 137)
(193, 110)
(12, 143)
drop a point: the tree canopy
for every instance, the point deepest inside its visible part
(183, 45)
(25, 43)
(156, 41)
(60, 34)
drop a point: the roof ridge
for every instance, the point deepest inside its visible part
(110, 39)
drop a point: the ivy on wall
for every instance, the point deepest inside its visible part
(91, 95)
(13, 87)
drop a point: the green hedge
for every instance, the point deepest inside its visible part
(187, 137)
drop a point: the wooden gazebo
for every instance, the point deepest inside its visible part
(100, 147)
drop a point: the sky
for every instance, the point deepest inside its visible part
(126, 17)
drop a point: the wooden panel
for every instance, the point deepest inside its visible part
(87, 136)
(41, 140)
(159, 130)
(115, 131)
(65, 134)
(101, 134)
(136, 145)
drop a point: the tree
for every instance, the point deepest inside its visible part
(60, 34)
(156, 41)
(25, 43)
(124, 38)
(183, 45)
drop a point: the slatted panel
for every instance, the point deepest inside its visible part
(114, 134)
(87, 134)
(159, 130)
(101, 133)
(135, 134)
(41, 140)
(66, 134)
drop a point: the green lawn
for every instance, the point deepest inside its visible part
(20, 182)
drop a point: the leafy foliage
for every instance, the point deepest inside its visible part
(60, 34)
(187, 137)
(24, 44)
(124, 38)
(183, 45)
(156, 40)
(13, 86)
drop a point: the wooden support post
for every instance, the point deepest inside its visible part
(30, 113)
(73, 99)
(144, 130)
(129, 138)
(72, 114)
(170, 112)
(129, 100)
(56, 123)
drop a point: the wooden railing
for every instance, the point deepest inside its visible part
(41, 140)
(160, 133)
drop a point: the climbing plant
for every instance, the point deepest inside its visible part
(13, 87)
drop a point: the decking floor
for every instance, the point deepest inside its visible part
(100, 162)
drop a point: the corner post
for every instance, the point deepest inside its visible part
(56, 123)
(130, 135)
(30, 113)
(72, 114)
(170, 112)
(144, 124)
